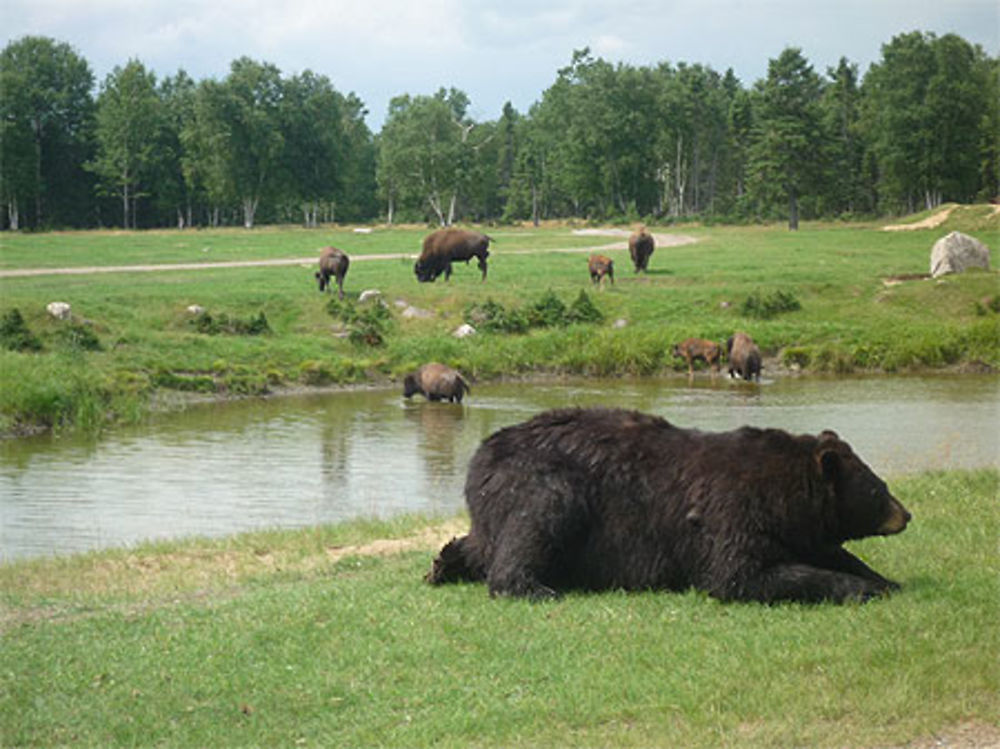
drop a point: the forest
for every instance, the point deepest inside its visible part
(604, 142)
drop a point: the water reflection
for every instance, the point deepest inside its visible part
(223, 468)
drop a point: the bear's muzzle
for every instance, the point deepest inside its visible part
(896, 520)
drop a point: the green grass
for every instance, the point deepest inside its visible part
(267, 639)
(849, 319)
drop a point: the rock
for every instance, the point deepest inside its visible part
(411, 313)
(59, 310)
(621, 322)
(195, 310)
(362, 230)
(463, 331)
(369, 295)
(958, 252)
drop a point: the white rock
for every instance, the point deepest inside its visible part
(621, 322)
(464, 331)
(362, 230)
(59, 310)
(369, 295)
(195, 309)
(957, 252)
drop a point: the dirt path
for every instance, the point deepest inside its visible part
(931, 222)
(662, 240)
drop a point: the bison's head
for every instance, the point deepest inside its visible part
(321, 277)
(422, 272)
(410, 386)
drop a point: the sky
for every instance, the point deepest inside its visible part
(493, 50)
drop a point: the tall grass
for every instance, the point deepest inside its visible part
(280, 639)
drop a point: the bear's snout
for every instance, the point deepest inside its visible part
(896, 520)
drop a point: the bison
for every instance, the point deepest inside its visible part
(744, 357)
(699, 348)
(436, 382)
(599, 499)
(640, 246)
(332, 262)
(599, 267)
(445, 246)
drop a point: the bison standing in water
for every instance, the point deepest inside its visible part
(332, 262)
(436, 382)
(599, 267)
(444, 246)
(640, 246)
(699, 348)
(744, 357)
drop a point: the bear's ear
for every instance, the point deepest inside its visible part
(827, 457)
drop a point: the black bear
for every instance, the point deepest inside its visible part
(594, 499)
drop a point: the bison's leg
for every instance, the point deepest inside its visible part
(447, 271)
(805, 583)
(482, 267)
(340, 287)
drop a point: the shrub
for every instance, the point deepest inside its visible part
(14, 333)
(79, 338)
(493, 317)
(584, 310)
(766, 308)
(547, 312)
(367, 325)
(209, 325)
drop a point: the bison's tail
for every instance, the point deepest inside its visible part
(463, 384)
(452, 564)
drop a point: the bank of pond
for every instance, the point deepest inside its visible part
(219, 468)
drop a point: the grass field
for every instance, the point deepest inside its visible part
(322, 638)
(131, 338)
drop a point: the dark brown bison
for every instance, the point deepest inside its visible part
(436, 382)
(744, 357)
(597, 499)
(599, 267)
(640, 247)
(699, 348)
(332, 262)
(445, 246)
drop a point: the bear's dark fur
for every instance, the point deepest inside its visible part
(593, 499)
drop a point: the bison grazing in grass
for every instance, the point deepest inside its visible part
(445, 246)
(599, 267)
(436, 382)
(699, 348)
(598, 499)
(640, 247)
(332, 263)
(744, 357)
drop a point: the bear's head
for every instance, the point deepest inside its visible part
(862, 503)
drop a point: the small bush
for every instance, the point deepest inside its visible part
(15, 335)
(547, 312)
(224, 324)
(367, 325)
(79, 338)
(768, 307)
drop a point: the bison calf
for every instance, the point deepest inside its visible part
(444, 246)
(436, 382)
(699, 348)
(744, 357)
(597, 499)
(599, 267)
(332, 262)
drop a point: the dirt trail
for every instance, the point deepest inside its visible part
(662, 240)
(931, 222)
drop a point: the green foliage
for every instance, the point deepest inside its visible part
(78, 337)
(770, 306)
(366, 324)
(15, 335)
(547, 312)
(225, 324)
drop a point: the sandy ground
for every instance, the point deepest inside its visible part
(662, 240)
(931, 222)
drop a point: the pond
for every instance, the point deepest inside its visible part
(294, 461)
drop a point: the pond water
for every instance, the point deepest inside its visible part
(301, 460)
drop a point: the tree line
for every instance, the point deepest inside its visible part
(604, 142)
